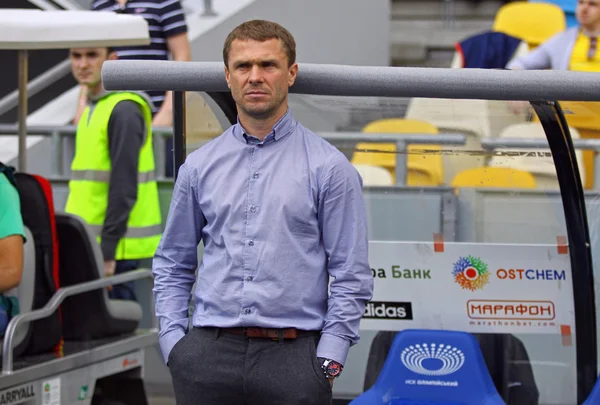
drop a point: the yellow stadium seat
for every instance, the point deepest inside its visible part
(501, 177)
(422, 169)
(532, 22)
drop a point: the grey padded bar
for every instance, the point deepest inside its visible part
(373, 81)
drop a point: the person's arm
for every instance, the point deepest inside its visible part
(541, 57)
(126, 134)
(176, 260)
(175, 30)
(343, 222)
(11, 237)
(11, 262)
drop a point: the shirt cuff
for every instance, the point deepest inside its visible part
(168, 341)
(333, 348)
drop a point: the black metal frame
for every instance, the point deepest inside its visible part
(571, 189)
(179, 138)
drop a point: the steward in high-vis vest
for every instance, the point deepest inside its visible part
(113, 186)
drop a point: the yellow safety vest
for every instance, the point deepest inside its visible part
(91, 169)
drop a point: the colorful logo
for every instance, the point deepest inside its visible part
(471, 273)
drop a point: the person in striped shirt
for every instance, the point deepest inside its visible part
(168, 35)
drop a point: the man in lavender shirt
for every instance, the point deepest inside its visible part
(279, 211)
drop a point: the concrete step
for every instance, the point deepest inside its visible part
(431, 9)
(415, 41)
(424, 32)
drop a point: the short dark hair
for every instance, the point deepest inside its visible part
(261, 30)
(109, 49)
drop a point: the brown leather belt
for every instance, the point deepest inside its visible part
(267, 333)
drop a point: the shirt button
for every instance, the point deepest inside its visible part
(249, 278)
(247, 311)
(255, 175)
(253, 208)
(251, 243)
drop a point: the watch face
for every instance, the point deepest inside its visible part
(334, 368)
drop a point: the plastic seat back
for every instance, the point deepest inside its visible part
(501, 177)
(91, 315)
(374, 175)
(433, 367)
(532, 22)
(422, 170)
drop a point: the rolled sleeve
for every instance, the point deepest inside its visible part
(175, 262)
(343, 220)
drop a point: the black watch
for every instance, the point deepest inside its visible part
(331, 368)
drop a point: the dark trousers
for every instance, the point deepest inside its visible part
(211, 367)
(125, 291)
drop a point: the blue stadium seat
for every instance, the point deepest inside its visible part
(594, 398)
(433, 367)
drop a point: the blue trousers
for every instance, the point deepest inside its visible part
(125, 291)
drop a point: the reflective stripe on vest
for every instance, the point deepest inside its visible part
(104, 176)
(132, 232)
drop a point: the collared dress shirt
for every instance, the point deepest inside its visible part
(277, 218)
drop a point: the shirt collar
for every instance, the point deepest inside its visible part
(283, 127)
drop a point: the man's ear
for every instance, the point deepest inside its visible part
(292, 74)
(112, 56)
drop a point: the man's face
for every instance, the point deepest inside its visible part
(588, 13)
(259, 76)
(86, 64)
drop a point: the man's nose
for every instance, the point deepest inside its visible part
(80, 63)
(255, 74)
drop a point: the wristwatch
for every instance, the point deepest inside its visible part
(331, 368)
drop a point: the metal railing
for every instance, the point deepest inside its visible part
(58, 133)
(36, 85)
(402, 142)
(52, 306)
(208, 9)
